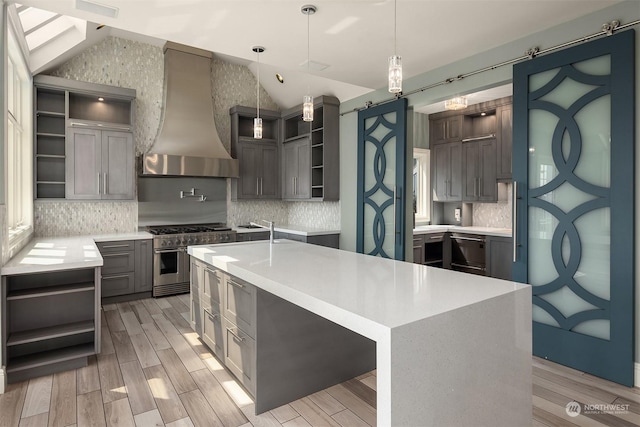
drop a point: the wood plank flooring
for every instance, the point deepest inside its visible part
(153, 371)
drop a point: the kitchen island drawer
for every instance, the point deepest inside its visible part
(240, 304)
(212, 331)
(213, 289)
(118, 262)
(118, 284)
(116, 246)
(240, 355)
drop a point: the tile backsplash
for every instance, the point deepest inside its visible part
(80, 218)
(494, 214)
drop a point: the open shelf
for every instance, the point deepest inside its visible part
(51, 101)
(50, 357)
(50, 332)
(50, 290)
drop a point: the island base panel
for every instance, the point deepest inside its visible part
(470, 366)
(300, 353)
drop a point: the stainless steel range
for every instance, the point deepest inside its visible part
(170, 258)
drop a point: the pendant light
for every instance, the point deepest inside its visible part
(257, 122)
(456, 103)
(307, 100)
(395, 61)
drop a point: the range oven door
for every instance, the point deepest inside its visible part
(170, 266)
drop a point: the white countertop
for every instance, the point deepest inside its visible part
(487, 231)
(45, 254)
(364, 293)
(293, 229)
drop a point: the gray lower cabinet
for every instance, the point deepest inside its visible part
(499, 255)
(328, 240)
(252, 236)
(51, 321)
(100, 164)
(296, 169)
(127, 268)
(418, 249)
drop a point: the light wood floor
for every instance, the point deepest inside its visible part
(153, 371)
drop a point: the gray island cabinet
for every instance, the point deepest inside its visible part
(289, 319)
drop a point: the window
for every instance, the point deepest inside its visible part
(19, 147)
(421, 187)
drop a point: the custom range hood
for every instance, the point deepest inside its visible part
(188, 143)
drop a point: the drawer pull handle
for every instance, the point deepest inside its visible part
(120, 276)
(240, 285)
(125, 245)
(468, 239)
(120, 254)
(212, 316)
(235, 334)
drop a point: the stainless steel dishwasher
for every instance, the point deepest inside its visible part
(468, 253)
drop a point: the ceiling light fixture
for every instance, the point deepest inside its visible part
(100, 26)
(101, 99)
(307, 100)
(395, 61)
(456, 103)
(257, 122)
(279, 77)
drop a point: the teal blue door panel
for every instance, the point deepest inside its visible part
(573, 152)
(381, 180)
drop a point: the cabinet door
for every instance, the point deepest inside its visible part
(240, 354)
(84, 164)
(289, 170)
(488, 188)
(303, 182)
(440, 176)
(454, 128)
(248, 180)
(499, 254)
(438, 131)
(117, 165)
(418, 249)
(144, 266)
(470, 172)
(212, 331)
(269, 175)
(504, 140)
(240, 304)
(117, 284)
(455, 172)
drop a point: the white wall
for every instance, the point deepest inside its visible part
(626, 11)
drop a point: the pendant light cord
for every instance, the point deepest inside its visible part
(308, 54)
(395, 27)
(258, 84)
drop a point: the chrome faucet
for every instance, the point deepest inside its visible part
(270, 226)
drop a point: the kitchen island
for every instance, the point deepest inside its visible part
(450, 348)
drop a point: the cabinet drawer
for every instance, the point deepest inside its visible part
(433, 237)
(212, 291)
(240, 355)
(116, 246)
(196, 314)
(212, 331)
(118, 262)
(118, 284)
(240, 304)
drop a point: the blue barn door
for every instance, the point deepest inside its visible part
(381, 180)
(573, 133)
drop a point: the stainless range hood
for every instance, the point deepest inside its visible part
(188, 143)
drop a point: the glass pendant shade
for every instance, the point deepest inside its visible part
(257, 128)
(395, 74)
(307, 108)
(456, 103)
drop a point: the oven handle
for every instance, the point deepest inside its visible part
(168, 251)
(470, 239)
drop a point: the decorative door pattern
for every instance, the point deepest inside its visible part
(574, 175)
(381, 179)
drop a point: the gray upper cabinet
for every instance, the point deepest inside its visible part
(79, 116)
(479, 171)
(447, 129)
(504, 139)
(296, 170)
(316, 171)
(259, 158)
(99, 165)
(446, 167)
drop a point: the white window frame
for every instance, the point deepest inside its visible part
(19, 143)
(422, 191)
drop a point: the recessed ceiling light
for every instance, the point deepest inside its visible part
(99, 27)
(483, 114)
(97, 8)
(279, 77)
(101, 99)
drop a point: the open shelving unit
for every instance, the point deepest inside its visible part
(51, 321)
(50, 142)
